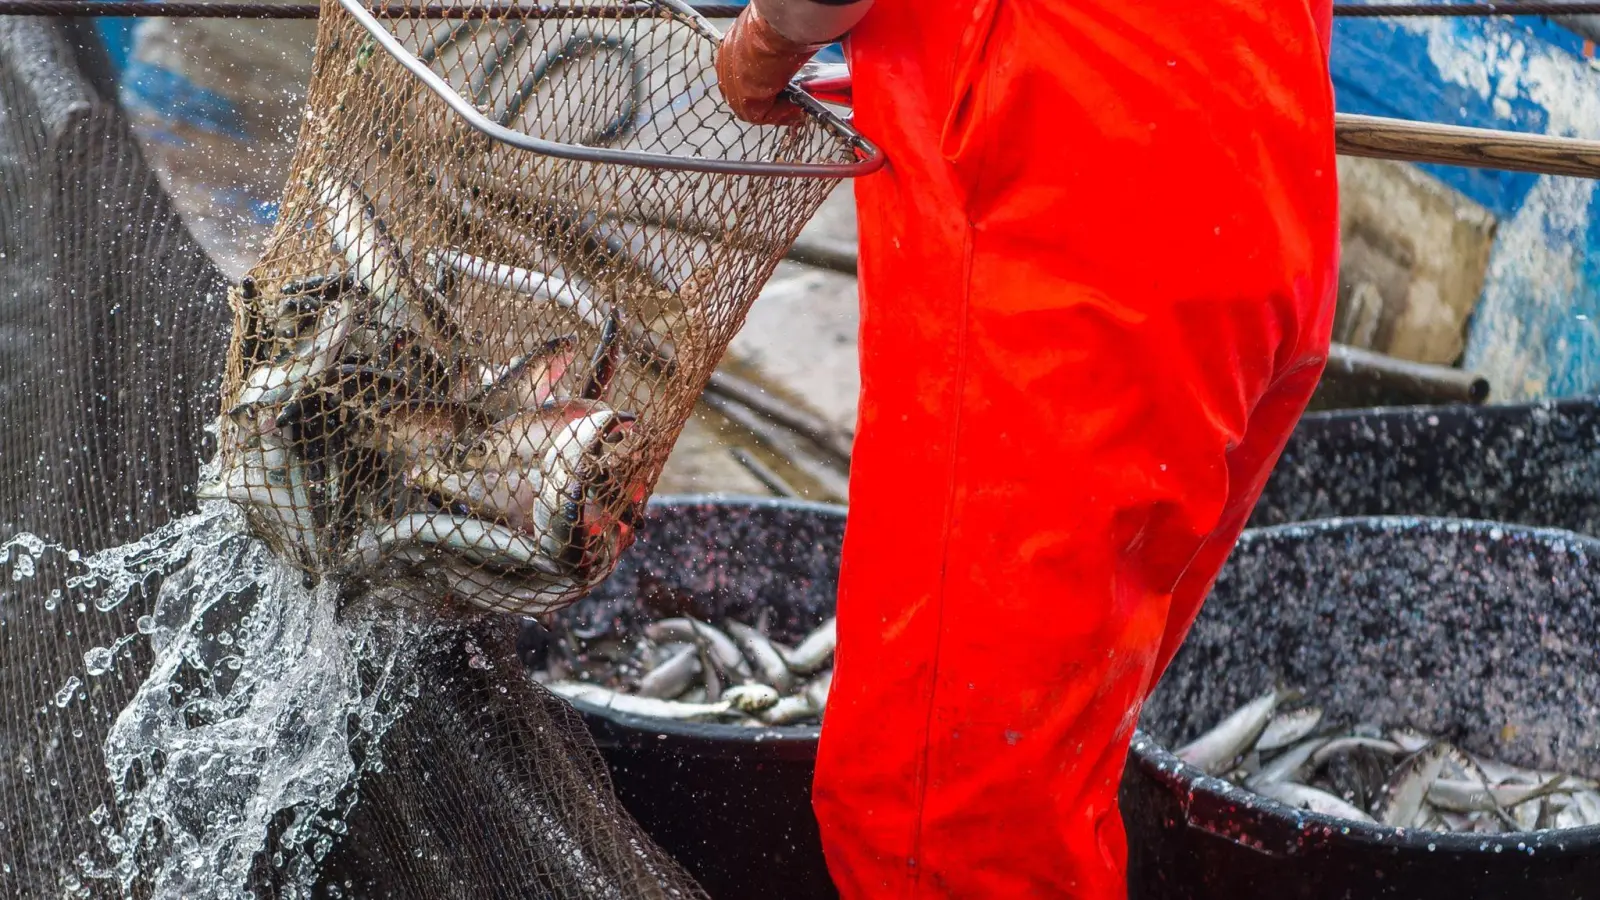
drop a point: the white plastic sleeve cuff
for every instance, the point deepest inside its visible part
(810, 22)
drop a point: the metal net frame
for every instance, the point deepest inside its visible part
(511, 252)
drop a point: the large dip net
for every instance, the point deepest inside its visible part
(511, 252)
(208, 698)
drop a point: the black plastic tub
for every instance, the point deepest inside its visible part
(1482, 633)
(731, 803)
(734, 805)
(1531, 464)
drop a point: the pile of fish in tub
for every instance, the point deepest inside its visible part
(685, 669)
(1279, 748)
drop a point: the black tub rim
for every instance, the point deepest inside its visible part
(1402, 522)
(1475, 409)
(1255, 813)
(835, 510)
(777, 742)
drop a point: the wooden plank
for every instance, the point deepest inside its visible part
(1485, 148)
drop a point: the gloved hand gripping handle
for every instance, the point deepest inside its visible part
(768, 45)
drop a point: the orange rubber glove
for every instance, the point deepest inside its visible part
(766, 47)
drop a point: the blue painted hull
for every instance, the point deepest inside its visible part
(1535, 331)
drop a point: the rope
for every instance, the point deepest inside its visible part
(223, 10)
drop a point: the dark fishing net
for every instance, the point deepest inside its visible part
(188, 710)
(102, 422)
(460, 364)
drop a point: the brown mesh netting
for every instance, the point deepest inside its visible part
(181, 716)
(460, 365)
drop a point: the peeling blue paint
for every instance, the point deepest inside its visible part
(1380, 71)
(1537, 329)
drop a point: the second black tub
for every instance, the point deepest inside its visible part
(734, 804)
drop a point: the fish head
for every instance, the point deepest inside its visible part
(529, 382)
(413, 429)
(524, 437)
(551, 362)
(591, 432)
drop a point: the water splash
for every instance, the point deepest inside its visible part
(234, 755)
(22, 552)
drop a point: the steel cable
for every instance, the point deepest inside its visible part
(1412, 10)
(183, 9)
(124, 8)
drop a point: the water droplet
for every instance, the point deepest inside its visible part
(64, 696)
(146, 624)
(98, 661)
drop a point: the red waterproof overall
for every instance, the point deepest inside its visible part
(1098, 281)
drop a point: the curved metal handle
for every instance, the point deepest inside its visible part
(870, 156)
(828, 82)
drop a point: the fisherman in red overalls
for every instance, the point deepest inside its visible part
(1097, 284)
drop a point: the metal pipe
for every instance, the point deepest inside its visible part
(1354, 377)
(1357, 377)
